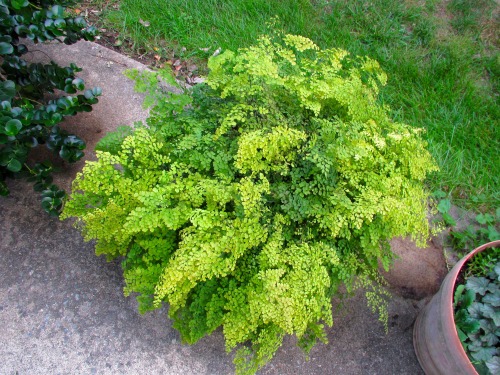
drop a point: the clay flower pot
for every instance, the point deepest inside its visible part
(435, 336)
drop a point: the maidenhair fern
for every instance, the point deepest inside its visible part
(248, 201)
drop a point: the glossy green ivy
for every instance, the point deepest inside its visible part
(28, 117)
(247, 202)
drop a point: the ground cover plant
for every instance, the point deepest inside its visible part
(485, 227)
(247, 202)
(28, 117)
(477, 306)
(441, 57)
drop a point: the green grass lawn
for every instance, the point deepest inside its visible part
(442, 59)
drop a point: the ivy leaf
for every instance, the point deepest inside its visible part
(439, 194)
(474, 310)
(477, 284)
(487, 326)
(493, 364)
(485, 218)
(444, 206)
(480, 353)
(466, 323)
(493, 234)
(468, 298)
(492, 299)
(493, 288)
(490, 339)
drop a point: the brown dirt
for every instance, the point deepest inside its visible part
(416, 273)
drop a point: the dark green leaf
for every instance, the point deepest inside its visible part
(33, 28)
(493, 364)
(461, 335)
(13, 127)
(493, 234)
(468, 298)
(51, 108)
(483, 354)
(490, 339)
(70, 89)
(88, 94)
(74, 142)
(492, 299)
(64, 103)
(4, 190)
(477, 284)
(449, 220)
(97, 91)
(493, 287)
(78, 83)
(458, 291)
(80, 22)
(14, 165)
(5, 105)
(6, 48)
(60, 23)
(7, 90)
(439, 194)
(470, 325)
(487, 325)
(474, 310)
(18, 4)
(57, 11)
(16, 111)
(56, 118)
(484, 218)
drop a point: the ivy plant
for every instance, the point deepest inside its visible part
(28, 117)
(483, 229)
(247, 202)
(477, 313)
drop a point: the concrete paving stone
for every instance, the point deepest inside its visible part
(62, 310)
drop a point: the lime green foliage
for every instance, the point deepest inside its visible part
(442, 58)
(281, 180)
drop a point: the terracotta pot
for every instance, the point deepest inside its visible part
(435, 336)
